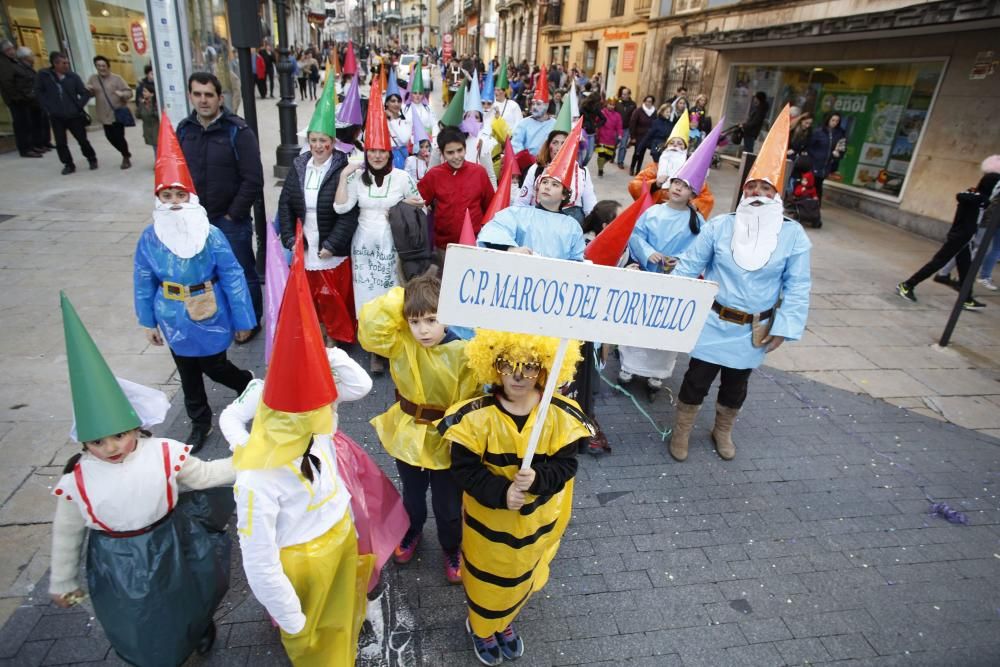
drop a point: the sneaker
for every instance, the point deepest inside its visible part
(453, 567)
(624, 377)
(988, 284)
(906, 292)
(403, 553)
(511, 644)
(972, 304)
(487, 649)
(654, 383)
(947, 281)
(198, 436)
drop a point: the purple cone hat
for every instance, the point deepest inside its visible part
(349, 112)
(695, 168)
(419, 133)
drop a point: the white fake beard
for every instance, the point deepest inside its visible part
(675, 160)
(755, 234)
(183, 231)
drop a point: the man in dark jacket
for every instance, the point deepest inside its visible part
(63, 96)
(224, 159)
(754, 123)
(17, 99)
(269, 64)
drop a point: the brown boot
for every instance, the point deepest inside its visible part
(722, 433)
(683, 423)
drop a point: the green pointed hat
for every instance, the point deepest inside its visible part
(99, 404)
(564, 121)
(453, 114)
(502, 81)
(324, 118)
(417, 84)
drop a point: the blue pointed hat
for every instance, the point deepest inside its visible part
(472, 100)
(392, 88)
(488, 94)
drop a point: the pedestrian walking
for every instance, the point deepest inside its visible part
(63, 96)
(111, 95)
(827, 144)
(761, 262)
(224, 158)
(148, 112)
(260, 74)
(625, 106)
(638, 127)
(609, 136)
(267, 53)
(754, 122)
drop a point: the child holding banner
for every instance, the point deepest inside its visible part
(514, 518)
(427, 363)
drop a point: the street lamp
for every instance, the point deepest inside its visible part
(288, 149)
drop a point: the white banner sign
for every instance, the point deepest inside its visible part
(492, 289)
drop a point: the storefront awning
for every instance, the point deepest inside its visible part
(920, 19)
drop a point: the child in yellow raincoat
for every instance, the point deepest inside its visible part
(513, 519)
(427, 363)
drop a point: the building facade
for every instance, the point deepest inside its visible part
(518, 22)
(915, 83)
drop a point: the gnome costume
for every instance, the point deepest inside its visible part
(300, 548)
(671, 159)
(669, 231)
(307, 197)
(531, 132)
(373, 253)
(189, 284)
(420, 111)
(761, 262)
(157, 560)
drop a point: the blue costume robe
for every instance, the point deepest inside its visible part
(154, 264)
(547, 234)
(786, 274)
(530, 134)
(664, 230)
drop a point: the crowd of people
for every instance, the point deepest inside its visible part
(365, 217)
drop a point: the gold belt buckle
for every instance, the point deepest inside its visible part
(174, 291)
(731, 315)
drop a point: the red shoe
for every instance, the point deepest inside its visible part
(403, 553)
(453, 567)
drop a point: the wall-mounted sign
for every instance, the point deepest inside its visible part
(138, 38)
(628, 56)
(621, 34)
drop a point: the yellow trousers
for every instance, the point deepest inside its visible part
(330, 579)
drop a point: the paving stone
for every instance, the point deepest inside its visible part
(799, 651)
(77, 649)
(765, 630)
(848, 646)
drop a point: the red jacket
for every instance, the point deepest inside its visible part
(449, 192)
(261, 67)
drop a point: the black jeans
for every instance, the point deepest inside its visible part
(41, 135)
(78, 128)
(446, 499)
(215, 366)
(20, 115)
(239, 233)
(116, 137)
(956, 245)
(699, 377)
(262, 87)
(270, 82)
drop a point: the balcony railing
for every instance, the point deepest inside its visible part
(411, 20)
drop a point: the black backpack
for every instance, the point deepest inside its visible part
(412, 238)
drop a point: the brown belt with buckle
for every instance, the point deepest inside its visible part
(422, 414)
(178, 292)
(738, 316)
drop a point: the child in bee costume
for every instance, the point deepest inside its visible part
(513, 519)
(300, 548)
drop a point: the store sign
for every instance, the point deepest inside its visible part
(628, 56)
(448, 47)
(554, 297)
(138, 38)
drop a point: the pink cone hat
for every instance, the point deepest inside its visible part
(695, 168)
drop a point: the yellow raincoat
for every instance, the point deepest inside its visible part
(433, 376)
(507, 553)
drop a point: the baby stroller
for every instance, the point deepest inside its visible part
(802, 202)
(731, 135)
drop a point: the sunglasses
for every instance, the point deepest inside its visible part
(529, 370)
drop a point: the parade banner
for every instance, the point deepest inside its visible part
(508, 291)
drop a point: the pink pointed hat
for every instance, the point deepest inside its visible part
(695, 168)
(350, 110)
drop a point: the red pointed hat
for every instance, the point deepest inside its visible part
(468, 235)
(508, 156)
(564, 165)
(609, 245)
(501, 198)
(376, 124)
(350, 64)
(542, 89)
(299, 378)
(170, 170)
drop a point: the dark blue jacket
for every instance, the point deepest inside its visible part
(224, 160)
(821, 144)
(63, 99)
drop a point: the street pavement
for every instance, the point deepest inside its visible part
(814, 546)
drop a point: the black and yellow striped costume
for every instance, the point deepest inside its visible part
(507, 553)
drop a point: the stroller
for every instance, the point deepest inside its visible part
(730, 135)
(802, 202)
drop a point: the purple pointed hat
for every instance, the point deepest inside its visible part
(695, 168)
(419, 133)
(350, 110)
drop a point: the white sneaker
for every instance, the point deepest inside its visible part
(654, 383)
(988, 284)
(624, 377)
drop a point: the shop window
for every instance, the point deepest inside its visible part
(883, 109)
(121, 35)
(211, 50)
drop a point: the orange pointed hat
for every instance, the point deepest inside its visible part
(564, 165)
(376, 124)
(770, 163)
(542, 89)
(608, 246)
(170, 170)
(299, 387)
